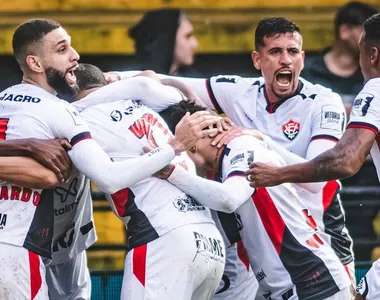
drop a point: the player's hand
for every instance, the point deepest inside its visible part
(111, 77)
(234, 132)
(191, 128)
(263, 175)
(223, 125)
(165, 172)
(53, 155)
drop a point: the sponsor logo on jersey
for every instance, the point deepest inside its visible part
(116, 116)
(237, 158)
(361, 104)
(67, 193)
(209, 247)
(135, 104)
(362, 287)
(260, 275)
(187, 203)
(227, 79)
(291, 129)
(19, 98)
(18, 193)
(332, 118)
(3, 220)
(287, 295)
(267, 295)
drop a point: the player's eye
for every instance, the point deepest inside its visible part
(62, 49)
(275, 52)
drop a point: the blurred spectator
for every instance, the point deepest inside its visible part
(338, 66)
(164, 42)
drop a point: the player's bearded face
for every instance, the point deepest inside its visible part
(281, 61)
(58, 81)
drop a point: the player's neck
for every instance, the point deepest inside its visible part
(34, 80)
(270, 96)
(214, 158)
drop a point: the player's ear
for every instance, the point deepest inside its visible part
(34, 63)
(374, 57)
(256, 60)
(193, 149)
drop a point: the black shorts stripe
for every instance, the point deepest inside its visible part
(218, 109)
(80, 137)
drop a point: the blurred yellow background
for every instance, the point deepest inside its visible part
(99, 26)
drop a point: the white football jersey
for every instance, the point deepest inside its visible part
(285, 248)
(365, 113)
(39, 220)
(153, 206)
(313, 112)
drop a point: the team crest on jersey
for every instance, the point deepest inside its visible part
(291, 129)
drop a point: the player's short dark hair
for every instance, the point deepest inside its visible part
(30, 32)
(273, 26)
(353, 13)
(174, 113)
(89, 76)
(372, 29)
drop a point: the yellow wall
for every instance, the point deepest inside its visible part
(99, 26)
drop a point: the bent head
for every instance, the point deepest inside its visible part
(369, 45)
(43, 50)
(278, 56)
(202, 153)
(89, 78)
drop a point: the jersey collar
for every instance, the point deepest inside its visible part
(271, 108)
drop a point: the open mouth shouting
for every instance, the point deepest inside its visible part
(70, 75)
(284, 78)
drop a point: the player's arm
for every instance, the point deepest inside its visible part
(225, 197)
(26, 172)
(110, 176)
(149, 91)
(216, 93)
(343, 160)
(50, 153)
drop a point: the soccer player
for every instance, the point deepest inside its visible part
(349, 154)
(175, 249)
(36, 218)
(238, 281)
(284, 244)
(304, 118)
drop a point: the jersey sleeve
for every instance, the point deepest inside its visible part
(365, 112)
(224, 89)
(66, 122)
(328, 117)
(150, 92)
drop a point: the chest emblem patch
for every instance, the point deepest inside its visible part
(291, 129)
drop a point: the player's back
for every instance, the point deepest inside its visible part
(287, 253)
(153, 206)
(31, 112)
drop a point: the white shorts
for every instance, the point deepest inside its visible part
(69, 280)
(22, 275)
(238, 281)
(186, 263)
(369, 285)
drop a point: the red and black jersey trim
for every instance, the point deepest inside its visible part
(325, 137)
(211, 94)
(236, 173)
(363, 125)
(80, 137)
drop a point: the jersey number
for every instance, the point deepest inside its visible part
(3, 128)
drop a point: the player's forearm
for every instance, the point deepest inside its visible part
(26, 172)
(333, 164)
(15, 148)
(110, 176)
(214, 195)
